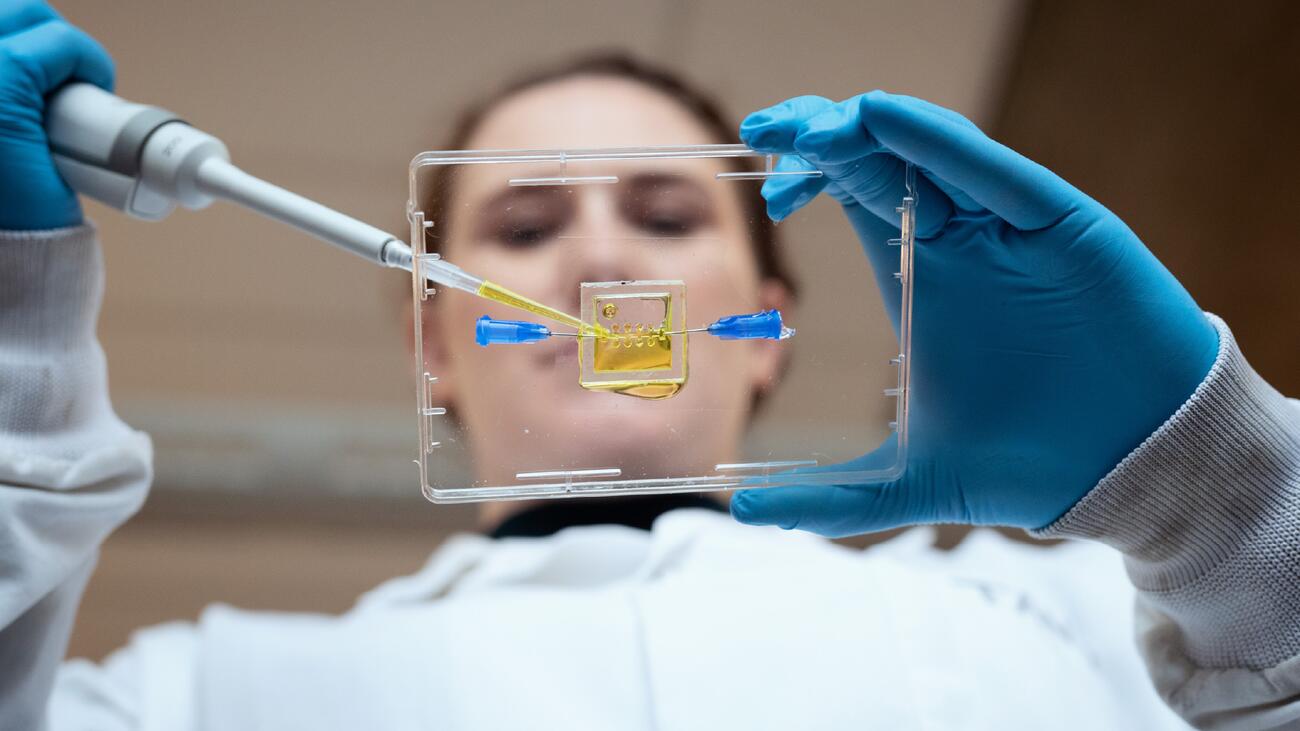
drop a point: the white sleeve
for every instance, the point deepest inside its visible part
(1207, 514)
(70, 471)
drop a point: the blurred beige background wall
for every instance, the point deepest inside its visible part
(271, 371)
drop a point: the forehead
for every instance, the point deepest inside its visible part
(589, 111)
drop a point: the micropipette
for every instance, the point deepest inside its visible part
(145, 160)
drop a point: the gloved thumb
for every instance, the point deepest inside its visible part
(843, 510)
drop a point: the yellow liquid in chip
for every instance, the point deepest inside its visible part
(632, 350)
(639, 348)
(621, 351)
(649, 390)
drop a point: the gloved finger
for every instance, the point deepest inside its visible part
(787, 194)
(878, 183)
(763, 130)
(773, 129)
(823, 509)
(956, 195)
(944, 112)
(1018, 190)
(842, 510)
(836, 141)
(17, 15)
(54, 52)
(866, 171)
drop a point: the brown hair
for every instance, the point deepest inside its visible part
(762, 232)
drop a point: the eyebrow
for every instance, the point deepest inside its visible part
(549, 196)
(500, 203)
(506, 196)
(652, 179)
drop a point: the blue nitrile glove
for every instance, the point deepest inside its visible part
(39, 51)
(1048, 342)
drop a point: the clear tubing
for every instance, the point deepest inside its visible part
(449, 275)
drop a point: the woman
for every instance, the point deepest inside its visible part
(699, 623)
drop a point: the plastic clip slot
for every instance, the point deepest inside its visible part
(564, 178)
(568, 474)
(784, 464)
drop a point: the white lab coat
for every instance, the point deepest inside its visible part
(699, 624)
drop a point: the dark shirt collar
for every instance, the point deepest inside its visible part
(635, 512)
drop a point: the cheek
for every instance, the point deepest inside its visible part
(721, 280)
(453, 350)
(486, 383)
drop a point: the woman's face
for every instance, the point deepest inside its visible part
(522, 404)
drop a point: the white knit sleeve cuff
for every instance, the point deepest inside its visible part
(50, 287)
(1207, 513)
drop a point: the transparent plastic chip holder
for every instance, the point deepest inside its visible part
(627, 321)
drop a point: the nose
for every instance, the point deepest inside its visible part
(598, 246)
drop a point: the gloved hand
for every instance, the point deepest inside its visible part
(39, 51)
(1048, 341)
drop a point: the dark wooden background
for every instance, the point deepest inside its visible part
(1182, 117)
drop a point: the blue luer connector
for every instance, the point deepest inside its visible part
(487, 331)
(748, 327)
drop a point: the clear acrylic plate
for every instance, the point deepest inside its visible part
(648, 247)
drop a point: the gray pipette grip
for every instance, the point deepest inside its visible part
(96, 140)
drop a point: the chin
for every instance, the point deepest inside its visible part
(566, 427)
(644, 447)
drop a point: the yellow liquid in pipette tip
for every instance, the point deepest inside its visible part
(497, 293)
